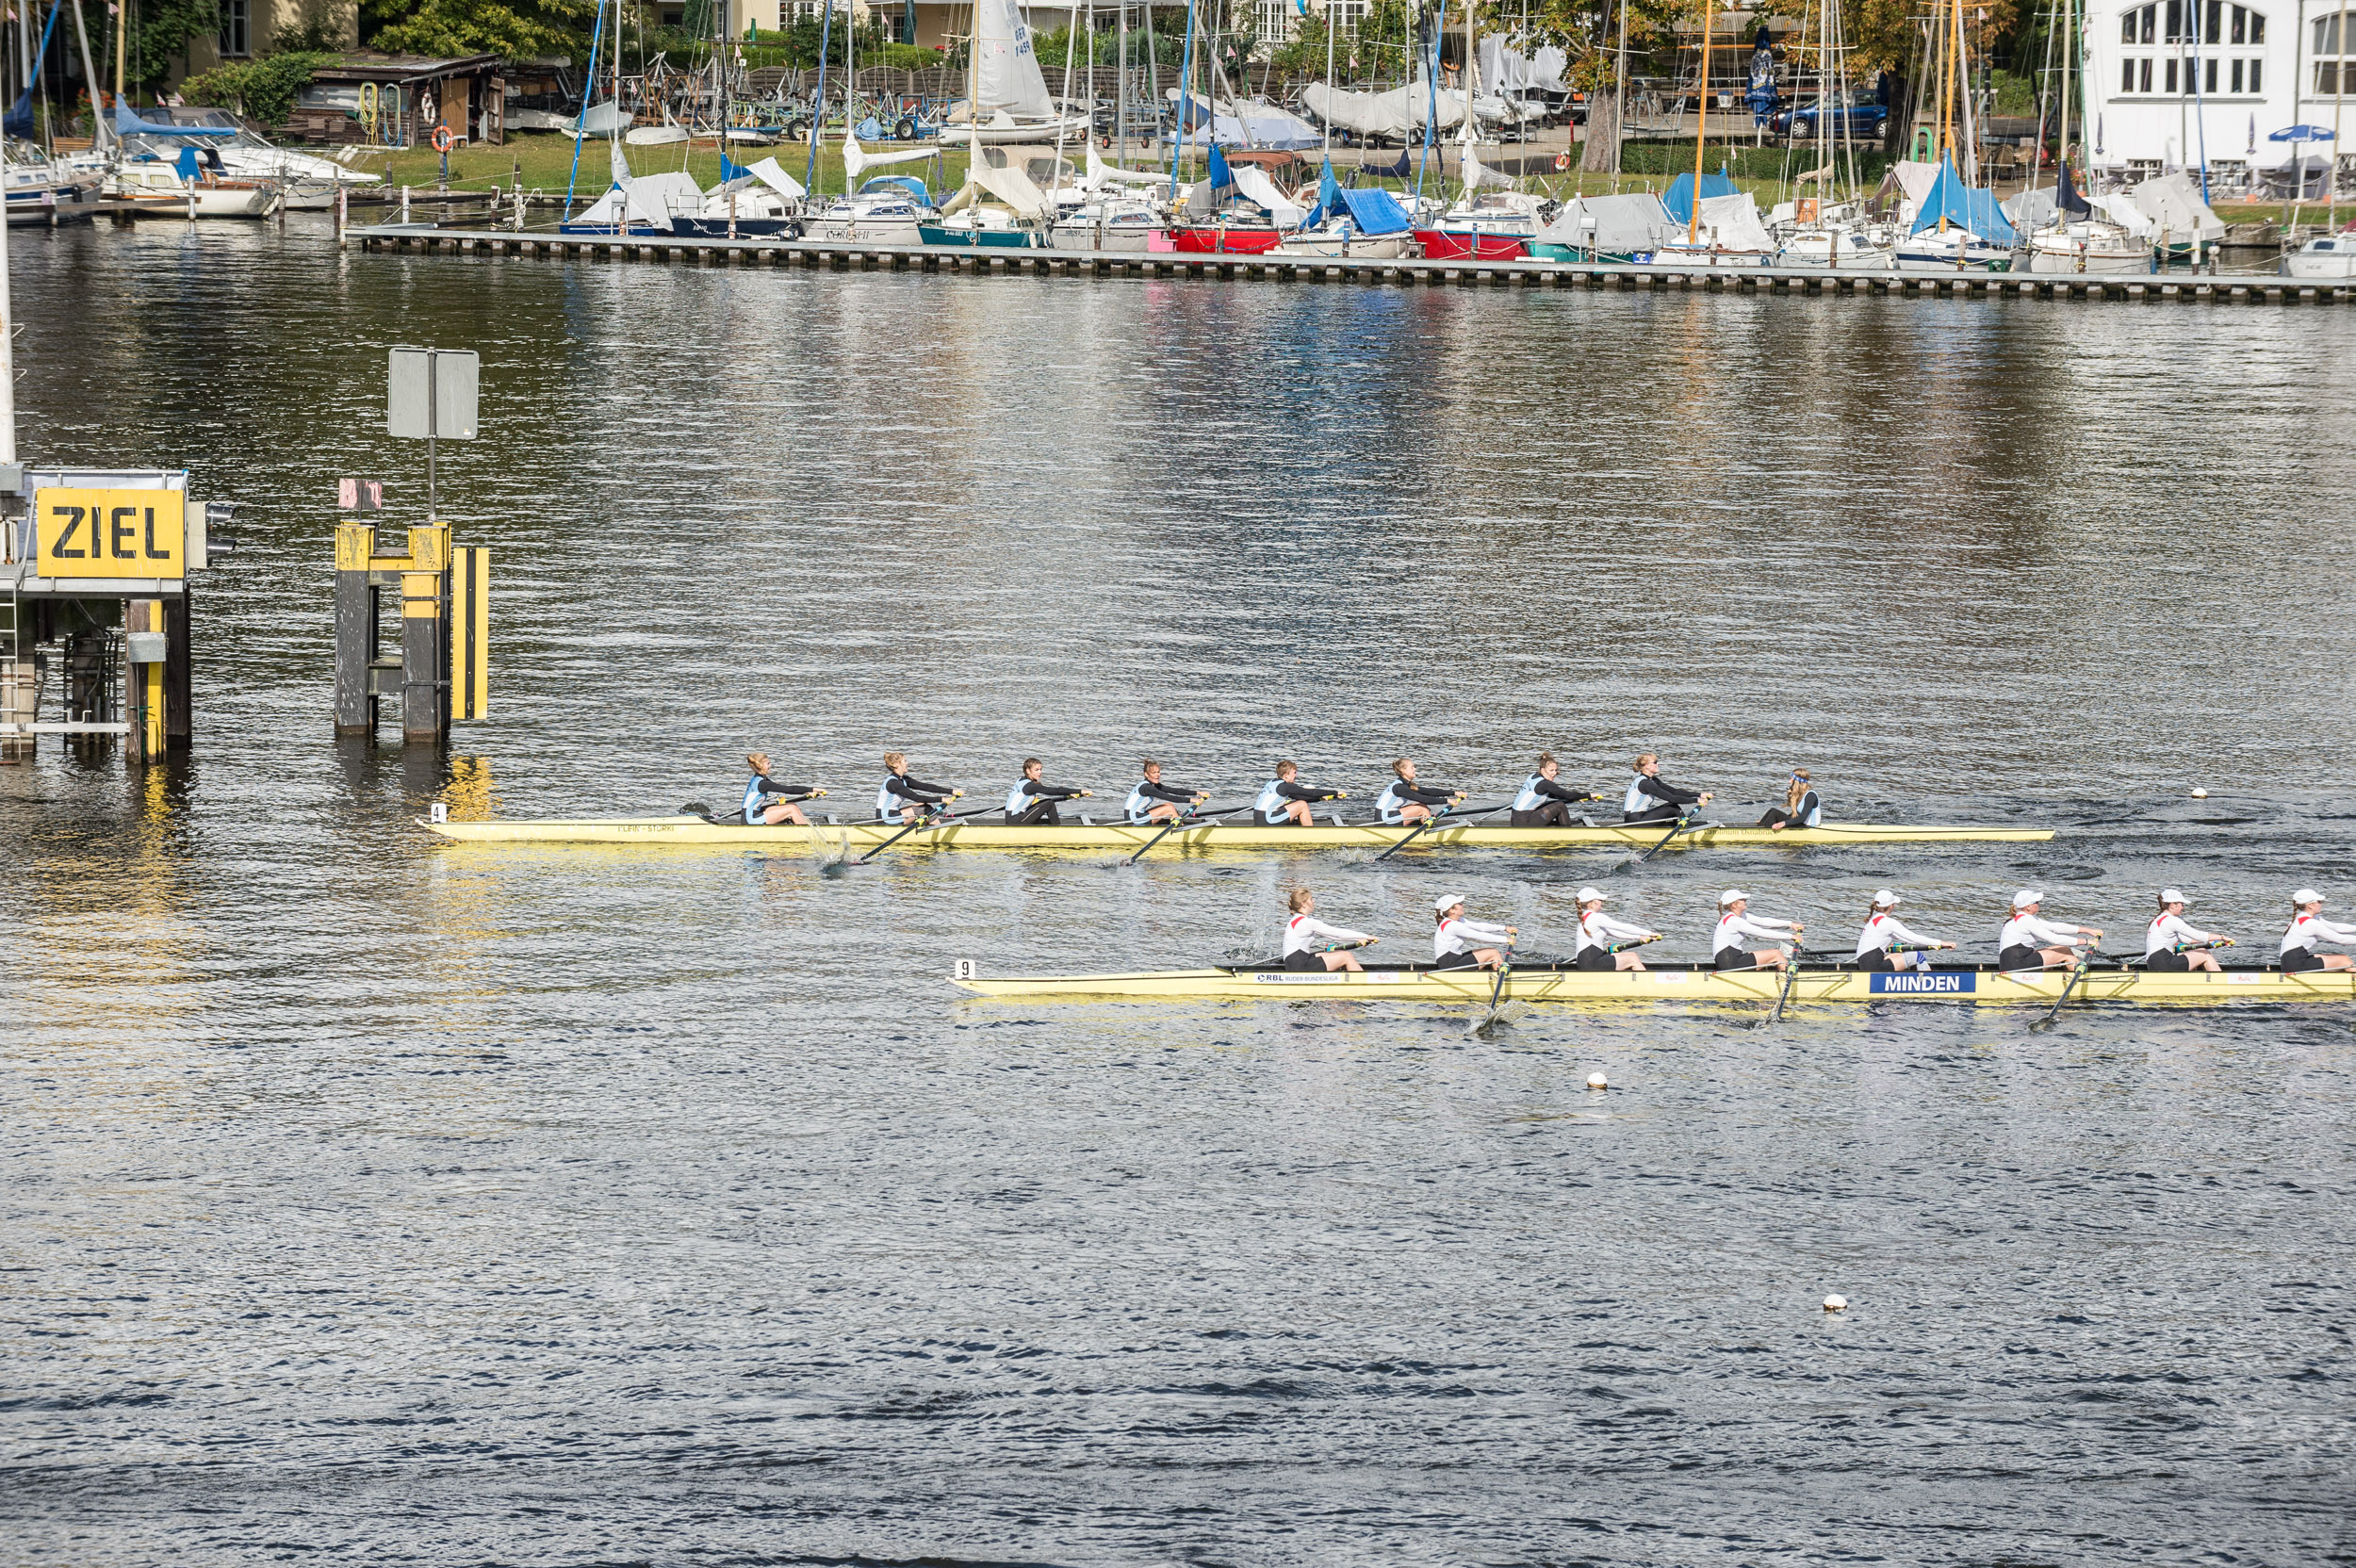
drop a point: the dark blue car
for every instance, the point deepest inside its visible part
(1865, 121)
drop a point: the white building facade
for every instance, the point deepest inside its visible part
(2174, 83)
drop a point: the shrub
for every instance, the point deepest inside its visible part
(263, 90)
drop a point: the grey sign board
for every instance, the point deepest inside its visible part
(436, 402)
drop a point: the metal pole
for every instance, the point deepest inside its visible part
(7, 355)
(1121, 104)
(433, 425)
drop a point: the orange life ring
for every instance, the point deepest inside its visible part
(443, 140)
(1562, 163)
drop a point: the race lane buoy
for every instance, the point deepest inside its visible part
(1597, 1081)
(1835, 1303)
(443, 140)
(2201, 794)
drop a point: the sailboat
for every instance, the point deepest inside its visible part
(1721, 224)
(1007, 99)
(2077, 242)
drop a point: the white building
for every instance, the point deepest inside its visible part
(2177, 83)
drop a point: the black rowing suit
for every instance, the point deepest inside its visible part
(1145, 792)
(1037, 803)
(1668, 802)
(1555, 803)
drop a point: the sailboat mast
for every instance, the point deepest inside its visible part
(1328, 115)
(1120, 103)
(1701, 130)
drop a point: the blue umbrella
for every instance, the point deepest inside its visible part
(2301, 133)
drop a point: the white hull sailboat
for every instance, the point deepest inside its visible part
(2088, 248)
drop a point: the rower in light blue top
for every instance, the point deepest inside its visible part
(1801, 807)
(1285, 799)
(1153, 801)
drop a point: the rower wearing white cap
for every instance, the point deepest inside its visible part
(1886, 945)
(2170, 945)
(1734, 924)
(1456, 942)
(1311, 944)
(2308, 927)
(2029, 941)
(1603, 943)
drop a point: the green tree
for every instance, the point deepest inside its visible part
(518, 29)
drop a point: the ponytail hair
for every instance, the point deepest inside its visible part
(1543, 758)
(1398, 766)
(1642, 757)
(895, 761)
(1297, 898)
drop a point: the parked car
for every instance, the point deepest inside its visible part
(1865, 119)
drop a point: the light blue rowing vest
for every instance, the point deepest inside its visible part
(752, 801)
(1388, 804)
(1018, 802)
(1139, 804)
(1638, 801)
(1815, 813)
(1530, 799)
(1270, 805)
(888, 805)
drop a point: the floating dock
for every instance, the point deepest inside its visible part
(838, 255)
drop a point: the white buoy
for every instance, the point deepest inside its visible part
(1597, 1081)
(1835, 1303)
(2201, 794)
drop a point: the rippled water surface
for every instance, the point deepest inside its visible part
(367, 1198)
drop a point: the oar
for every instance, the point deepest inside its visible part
(1496, 988)
(1790, 974)
(1181, 820)
(2076, 975)
(1433, 821)
(1663, 839)
(927, 819)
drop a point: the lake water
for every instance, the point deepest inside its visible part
(372, 1199)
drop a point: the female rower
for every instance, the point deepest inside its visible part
(2308, 927)
(2168, 942)
(1733, 925)
(1599, 935)
(1153, 801)
(767, 802)
(1032, 804)
(2030, 942)
(1454, 937)
(1404, 802)
(1284, 799)
(1800, 807)
(1886, 945)
(1304, 933)
(905, 797)
(1543, 803)
(1650, 799)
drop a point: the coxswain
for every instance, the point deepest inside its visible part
(1603, 943)
(1032, 804)
(905, 797)
(1153, 801)
(1285, 799)
(767, 802)
(1543, 803)
(1311, 944)
(1404, 802)
(1886, 945)
(1651, 800)
(2170, 946)
(2029, 941)
(1800, 808)
(2308, 927)
(1726, 948)
(1457, 942)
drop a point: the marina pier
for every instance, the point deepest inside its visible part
(2206, 287)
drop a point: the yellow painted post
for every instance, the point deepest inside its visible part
(470, 633)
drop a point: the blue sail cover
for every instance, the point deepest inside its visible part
(1222, 178)
(1679, 201)
(1973, 211)
(1372, 211)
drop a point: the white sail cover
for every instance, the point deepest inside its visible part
(1731, 224)
(1100, 174)
(1007, 183)
(1618, 224)
(1476, 174)
(776, 179)
(1397, 114)
(654, 199)
(1005, 69)
(2123, 211)
(1506, 69)
(2173, 202)
(857, 161)
(1256, 186)
(1914, 181)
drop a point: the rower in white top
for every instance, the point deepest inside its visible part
(1457, 942)
(1886, 945)
(1734, 924)
(1604, 942)
(2030, 942)
(2308, 927)
(1311, 944)
(1285, 799)
(2172, 946)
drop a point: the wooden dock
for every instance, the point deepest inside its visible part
(838, 255)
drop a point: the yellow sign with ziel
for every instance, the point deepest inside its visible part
(111, 532)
